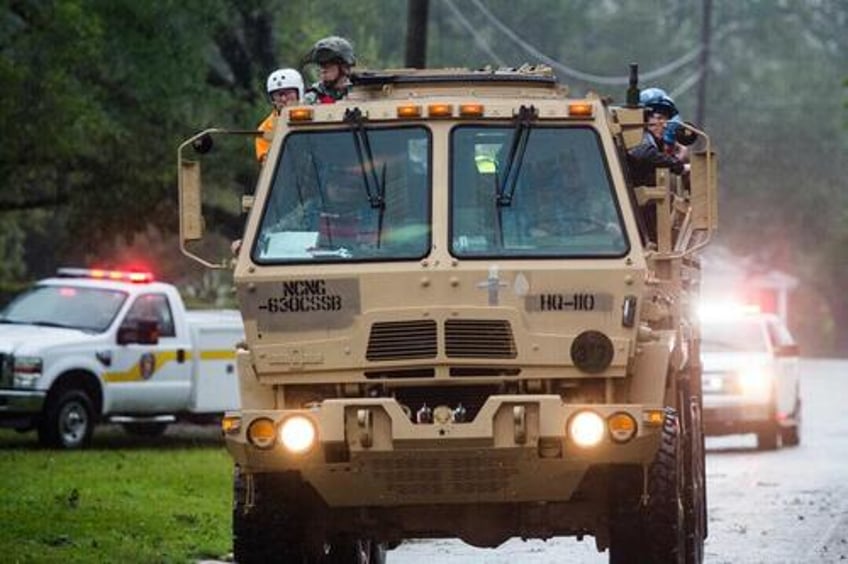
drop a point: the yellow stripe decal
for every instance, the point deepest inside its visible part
(161, 359)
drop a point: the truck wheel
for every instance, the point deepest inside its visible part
(767, 438)
(791, 436)
(68, 420)
(655, 531)
(356, 551)
(696, 489)
(149, 430)
(266, 524)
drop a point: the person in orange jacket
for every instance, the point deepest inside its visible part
(285, 87)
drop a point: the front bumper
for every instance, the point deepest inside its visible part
(727, 415)
(17, 405)
(369, 453)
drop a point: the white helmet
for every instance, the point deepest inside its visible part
(283, 79)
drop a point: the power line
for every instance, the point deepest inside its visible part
(575, 73)
(479, 39)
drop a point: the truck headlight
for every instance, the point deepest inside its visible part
(755, 380)
(26, 370)
(298, 434)
(586, 429)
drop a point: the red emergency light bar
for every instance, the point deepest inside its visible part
(100, 274)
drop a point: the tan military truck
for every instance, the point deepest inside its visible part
(457, 327)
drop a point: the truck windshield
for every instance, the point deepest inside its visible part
(733, 335)
(330, 202)
(73, 307)
(559, 203)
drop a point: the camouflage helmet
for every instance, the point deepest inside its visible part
(333, 49)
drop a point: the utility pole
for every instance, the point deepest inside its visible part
(416, 33)
(704, 62)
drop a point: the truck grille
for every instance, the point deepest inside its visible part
(479, 338)
(399, 340)
(462, 474)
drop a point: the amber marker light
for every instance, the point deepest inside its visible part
(440, 110)
(653, 417)
(231, 424)
(580, 109)
(409, 111)
(622, 427)
(301, 114)
(261, 433)
(471, 110)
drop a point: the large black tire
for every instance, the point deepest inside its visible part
(266, 523)
(148, 430)
(655, 532)
(273, 522)
(68, 420)
(696, 485)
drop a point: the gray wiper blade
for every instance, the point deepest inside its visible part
(523, 120)
(54, 324)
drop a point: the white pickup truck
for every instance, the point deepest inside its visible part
(92, 346)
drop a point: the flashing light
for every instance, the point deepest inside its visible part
(301, 114)
(440, 110)
(409, 111)
(471, 110)
(136, 277)
(580, 109)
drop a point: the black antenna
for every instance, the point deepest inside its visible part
(633, 89)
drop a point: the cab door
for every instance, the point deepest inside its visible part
(146, 378)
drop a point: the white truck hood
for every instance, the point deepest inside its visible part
(732, 361)
(30, 339)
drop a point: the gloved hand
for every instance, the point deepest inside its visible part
(670, 135)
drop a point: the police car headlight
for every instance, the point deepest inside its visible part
(755, 380)
(26, 370)
(298, 434)
(586, 429)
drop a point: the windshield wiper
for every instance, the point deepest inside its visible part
(505, 186)
(375, 189)
(54, 324)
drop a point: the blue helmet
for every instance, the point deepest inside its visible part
(657, 100)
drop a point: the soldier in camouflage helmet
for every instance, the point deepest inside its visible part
(334, 57)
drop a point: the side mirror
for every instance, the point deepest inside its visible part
(684, 135)
(143, 332)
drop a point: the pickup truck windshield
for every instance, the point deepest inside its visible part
(73, 307)
(332, 201)
(734, 335)
(559, 201)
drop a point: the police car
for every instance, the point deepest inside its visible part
(751, 377)
(93, 345)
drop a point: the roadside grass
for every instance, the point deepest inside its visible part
(124, 500)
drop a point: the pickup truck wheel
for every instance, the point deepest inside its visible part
(68, 421)
(767, 438)
(656, 531)
(149, 430)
